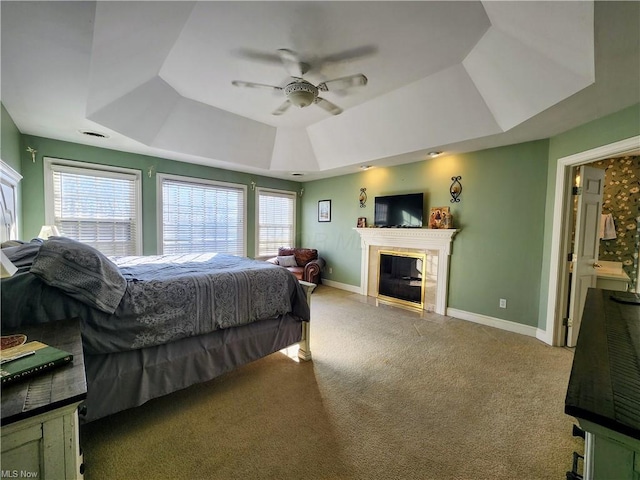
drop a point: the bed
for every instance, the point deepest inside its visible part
(152, 325)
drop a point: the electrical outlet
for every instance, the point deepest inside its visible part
(330, 270)
(503, 303)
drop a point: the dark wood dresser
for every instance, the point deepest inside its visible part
(40, 413)
(604, 387)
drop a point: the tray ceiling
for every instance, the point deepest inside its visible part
(453, 76)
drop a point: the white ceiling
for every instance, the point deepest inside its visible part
(452, 76)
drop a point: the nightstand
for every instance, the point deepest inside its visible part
(40, 413)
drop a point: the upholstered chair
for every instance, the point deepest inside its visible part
(304, 263)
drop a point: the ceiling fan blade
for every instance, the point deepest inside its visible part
(264, 57)
(342, 83)
(240, 83)
(292, 63)
(350, 54)
(332, 108)
(282, 108)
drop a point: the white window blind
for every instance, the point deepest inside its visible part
(200, 216)
(97, 207)
(276, 221)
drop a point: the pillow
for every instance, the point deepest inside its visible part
(17, 243)
(11, 243)
(22, 255)
(81, 271)
(287, 261)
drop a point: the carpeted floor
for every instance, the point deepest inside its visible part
(390, 394)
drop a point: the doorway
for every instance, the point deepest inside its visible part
(561, 231)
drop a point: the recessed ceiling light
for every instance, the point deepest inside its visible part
(365, 167)
(297, 174)
(434, 154)
(91, 133)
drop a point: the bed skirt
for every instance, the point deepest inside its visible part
(118, 381)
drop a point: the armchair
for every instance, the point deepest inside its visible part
(304, 263)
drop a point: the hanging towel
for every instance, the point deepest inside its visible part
(607, 227)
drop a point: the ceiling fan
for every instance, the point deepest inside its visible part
(302, 93)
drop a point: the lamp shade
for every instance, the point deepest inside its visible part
(8, 268)
(48, 231)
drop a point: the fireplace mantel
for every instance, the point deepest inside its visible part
(422, 239)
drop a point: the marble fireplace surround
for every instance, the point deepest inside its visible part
(420, 240)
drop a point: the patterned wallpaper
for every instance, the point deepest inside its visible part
(621, 199)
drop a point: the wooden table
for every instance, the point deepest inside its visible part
(40, 413)
(604, 388)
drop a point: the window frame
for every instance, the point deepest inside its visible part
(160, 177)
(49, 164)
(10, 180)
(286, 193)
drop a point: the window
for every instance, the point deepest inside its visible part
(201, 216)
(276, 221)
(94, 204)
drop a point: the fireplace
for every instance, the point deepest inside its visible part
(434, 244)
(401, 278)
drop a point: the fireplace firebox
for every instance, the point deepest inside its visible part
(401, 278)
(435, 243)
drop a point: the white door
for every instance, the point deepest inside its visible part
(586, 246)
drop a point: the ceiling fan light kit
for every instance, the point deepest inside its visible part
(301, 94)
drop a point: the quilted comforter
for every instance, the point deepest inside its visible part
(167, 297)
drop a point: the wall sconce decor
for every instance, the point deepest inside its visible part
(301, 192)
(33, 153)
(150, 170)
(253, 186)
(363, 197)
(455, 189)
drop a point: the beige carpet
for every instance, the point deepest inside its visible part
(390, 395)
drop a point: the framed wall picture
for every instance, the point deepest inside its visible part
(440, 217)
(324, 210)
(362, 222)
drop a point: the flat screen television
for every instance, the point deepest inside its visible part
(399, 210)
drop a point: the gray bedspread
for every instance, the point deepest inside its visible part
(167, 298)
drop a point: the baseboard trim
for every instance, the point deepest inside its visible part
(544, 336)
(468, 316)
(494, 322)
(341, 286)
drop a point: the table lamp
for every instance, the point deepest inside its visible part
(48, 231)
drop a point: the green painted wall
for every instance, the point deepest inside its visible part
(33, 183)
(618, 126)
(502, 250)
(498, 252)
(10, 151)
(505, 216)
